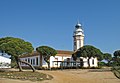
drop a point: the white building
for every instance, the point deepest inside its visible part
(63, 58)
(37, 60)
(5, 62)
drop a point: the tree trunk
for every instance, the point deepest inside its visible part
(18, 63)
(49, 65)
(19, 66)
(108, 63)
(29, 65)
(48, 62)
(41, 61)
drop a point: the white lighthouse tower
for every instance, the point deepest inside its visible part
(78, 37)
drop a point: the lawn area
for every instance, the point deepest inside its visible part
(26, 75)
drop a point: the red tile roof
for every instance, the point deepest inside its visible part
(64, 53)
(59, 53)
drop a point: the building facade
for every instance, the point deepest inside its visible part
(38, 61)
(63, 58)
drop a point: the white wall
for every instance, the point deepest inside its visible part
(5, 62)
(85, 62)
(58, 58)
(92, 64)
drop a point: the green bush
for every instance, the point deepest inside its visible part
(100, 64)
(13, 65)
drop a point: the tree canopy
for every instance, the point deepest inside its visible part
(108, 58)
(88, 51)
(46, 52)
(116, 57)
(15, 47)
(116, 65)
(117, 53)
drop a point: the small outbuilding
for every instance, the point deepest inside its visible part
(5, 62)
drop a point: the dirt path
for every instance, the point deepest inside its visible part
(73, 76)
(82, 76)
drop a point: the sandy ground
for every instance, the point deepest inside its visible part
(73, 76)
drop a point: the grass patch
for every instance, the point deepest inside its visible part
(26, 75)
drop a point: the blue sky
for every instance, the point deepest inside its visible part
(51, 22)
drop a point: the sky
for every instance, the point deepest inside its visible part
(52, 22)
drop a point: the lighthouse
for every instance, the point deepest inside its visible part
(78, 37)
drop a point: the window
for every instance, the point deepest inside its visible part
(36, 60)
(28, 60)
(81, 62)
(33, 61)
(93, 61)
(22, 63)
